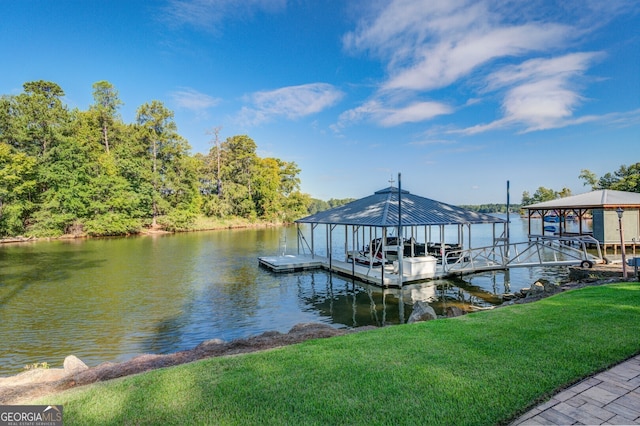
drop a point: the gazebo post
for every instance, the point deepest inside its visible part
(442, 249)
(383, 242)
(346, 241)
(328, 242)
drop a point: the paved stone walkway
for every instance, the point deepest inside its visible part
(608, 398)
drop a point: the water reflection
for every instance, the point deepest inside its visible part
(352, 303)
(347, 303)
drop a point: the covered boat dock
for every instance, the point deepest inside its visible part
(393, 237)
(603, 207)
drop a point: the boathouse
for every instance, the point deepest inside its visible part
(607, 208)
(389, 238)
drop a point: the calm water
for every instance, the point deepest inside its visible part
(111, 299)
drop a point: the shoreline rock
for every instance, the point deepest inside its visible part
(43, 381)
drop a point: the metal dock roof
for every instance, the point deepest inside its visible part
(591, 200)
(381, 210)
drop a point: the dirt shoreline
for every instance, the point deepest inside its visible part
(143, 232)
(32, 384)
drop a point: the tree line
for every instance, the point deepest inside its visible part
(490, 207)
(86, 171)
(626, 178)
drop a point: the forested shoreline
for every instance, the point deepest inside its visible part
(69, 171)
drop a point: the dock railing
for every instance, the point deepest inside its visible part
(538, 251)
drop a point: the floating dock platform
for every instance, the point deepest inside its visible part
(387, 276)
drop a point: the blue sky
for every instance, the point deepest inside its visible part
(458, 96)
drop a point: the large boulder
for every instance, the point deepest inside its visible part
(454, 311)
(543, 288)
(73, 365)
(422, 311)
(536, 289)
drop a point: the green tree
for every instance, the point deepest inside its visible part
(589, 178)
(239, 160)
(64, 177)
(543, 194)
(133, 164)
(8, 122)
(266, 189)
(17, 189)
(238, 167)
(40, 115)
(87, 171)
(106, 104)
(626, 178)
(275, 183)
(295, 206)
(113, 207)
(337, 202)
(158, 123)
(167, 148)
(316, 205)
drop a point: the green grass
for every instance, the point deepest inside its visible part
(480, 369)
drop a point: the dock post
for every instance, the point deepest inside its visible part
(507, 230)
(400, 242)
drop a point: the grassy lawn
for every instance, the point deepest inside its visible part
(484, 368)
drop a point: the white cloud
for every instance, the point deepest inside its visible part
(449, 60)
(499, 49)
(540, 68)
(378, 112)
(540, 93)
(432, 45)
(208, 15)
(291, 102)
(193, 100)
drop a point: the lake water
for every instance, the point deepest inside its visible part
(111, 299)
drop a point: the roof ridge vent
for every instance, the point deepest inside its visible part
(391, 189)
